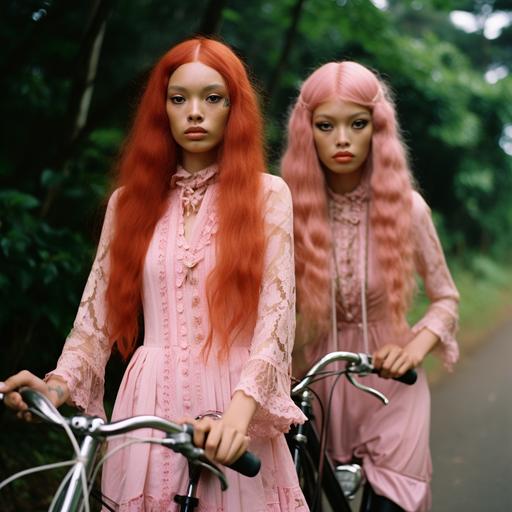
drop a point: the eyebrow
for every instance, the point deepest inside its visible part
(211, 87)
(363, 112)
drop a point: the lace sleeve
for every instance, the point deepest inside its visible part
(266, 375)
(87, 348)
(442, 315)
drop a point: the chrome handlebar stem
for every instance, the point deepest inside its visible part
(357, 363)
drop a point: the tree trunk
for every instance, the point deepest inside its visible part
(82, 89)
(289, 38)
(212, 17)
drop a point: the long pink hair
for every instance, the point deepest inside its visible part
(391, 186)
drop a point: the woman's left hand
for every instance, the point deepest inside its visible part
(392, 360)
(223, 440)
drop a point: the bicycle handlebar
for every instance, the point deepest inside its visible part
(248, 464)
(357, 363)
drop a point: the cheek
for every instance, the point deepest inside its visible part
(221, 120)
(322, 148)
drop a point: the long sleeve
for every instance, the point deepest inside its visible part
(87, 348)
(441, 317)
(266, 375)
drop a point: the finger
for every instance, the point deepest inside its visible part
(402, 360)
(213, 440)
(13, 400)
(201, 429)
(227, 441)
(23, 378)
(237, 449)
(405, 366)
(391, 358)
(380, 355)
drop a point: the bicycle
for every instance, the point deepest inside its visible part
(74, 490)
(317, 472)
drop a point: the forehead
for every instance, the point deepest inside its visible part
(338, 108)
(195, 75)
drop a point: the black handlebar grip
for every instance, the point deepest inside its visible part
(247, 464)
(409, 377)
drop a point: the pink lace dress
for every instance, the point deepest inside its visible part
(392, 440)
(167, 376)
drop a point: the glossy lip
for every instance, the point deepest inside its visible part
(343, 157)
(195, 133)
(195, 129)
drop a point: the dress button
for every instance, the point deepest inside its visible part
(186, 404)
(179, 294)
(184, 345)
(349, 316)
(179, 307)
(184, 371)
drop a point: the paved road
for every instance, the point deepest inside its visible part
(471, 436)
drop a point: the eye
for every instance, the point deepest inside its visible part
(324, 126)
(176, 99)
(359, 124)
(213, 98)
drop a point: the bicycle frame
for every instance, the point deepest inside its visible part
(304, 440)
(72, 495)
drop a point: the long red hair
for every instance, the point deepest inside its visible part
(148, 161)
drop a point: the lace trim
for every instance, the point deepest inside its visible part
(193, 186)
(270, 387)
(347, 212)
(163, 231)
(443, 325)
(86, 388)
(290, 499)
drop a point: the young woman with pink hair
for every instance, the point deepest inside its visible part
(361, 234)
(198, 239)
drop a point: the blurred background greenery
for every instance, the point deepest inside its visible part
(71, 76)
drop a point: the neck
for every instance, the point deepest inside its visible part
(343, 183)
(194, 162)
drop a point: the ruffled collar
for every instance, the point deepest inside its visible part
(358, 196)
(193, 186)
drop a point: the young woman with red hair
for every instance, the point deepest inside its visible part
(198, 239)
(361, 233)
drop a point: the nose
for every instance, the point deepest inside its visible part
(342, 137)
(195, 114)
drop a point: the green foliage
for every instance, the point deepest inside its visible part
(54, 179)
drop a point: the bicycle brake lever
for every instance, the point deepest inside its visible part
(205, 463)
(182, 443)
(41, 406)
(367, 389)
(364, 367)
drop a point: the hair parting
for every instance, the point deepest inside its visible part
(148, 160)
(391, 188)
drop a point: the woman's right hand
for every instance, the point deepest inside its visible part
(55, 390)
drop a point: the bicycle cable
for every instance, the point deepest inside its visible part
(323, 441)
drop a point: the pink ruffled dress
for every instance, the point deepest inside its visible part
(167, 375)
(392, 440)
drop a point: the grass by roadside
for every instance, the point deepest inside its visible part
(485, 304)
